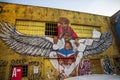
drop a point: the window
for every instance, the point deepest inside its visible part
(39, 28)
(32, 27)
(25, 71)
(84, 31)
(2, 72)
(50, 28)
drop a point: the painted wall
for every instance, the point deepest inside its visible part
(11, 12)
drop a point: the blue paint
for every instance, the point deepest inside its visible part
(66, 52)
(118, 26)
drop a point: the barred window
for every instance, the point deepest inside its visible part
(25, 71)
(50, 28)
(2, 72)
(84, 31)
(32, 27)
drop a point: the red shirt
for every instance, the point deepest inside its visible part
(66, 29)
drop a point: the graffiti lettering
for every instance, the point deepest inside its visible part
(18, 61)
(3, 62)
(14, 72)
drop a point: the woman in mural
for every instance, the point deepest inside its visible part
(66, 55)
(64, 27)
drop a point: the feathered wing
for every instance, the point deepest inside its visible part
(98, 46)
(24, 44)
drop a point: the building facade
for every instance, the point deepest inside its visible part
(34, 20)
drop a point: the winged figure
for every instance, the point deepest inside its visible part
(44, 46)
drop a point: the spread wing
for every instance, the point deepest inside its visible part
(24, 44)
(98, 46)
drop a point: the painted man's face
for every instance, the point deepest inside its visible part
(67, 36)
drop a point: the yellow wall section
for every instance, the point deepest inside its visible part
(30, 27)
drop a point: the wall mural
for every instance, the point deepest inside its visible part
(84, 68)
(108, 67)
(65, 47)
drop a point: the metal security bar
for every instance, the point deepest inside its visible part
(50, 28)
(36, 27)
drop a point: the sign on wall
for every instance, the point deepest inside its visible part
(35, 69)
(16, 73)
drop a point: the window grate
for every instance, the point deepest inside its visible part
(32, 27)
(50, 28)
(25, 71)
(2, 72)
